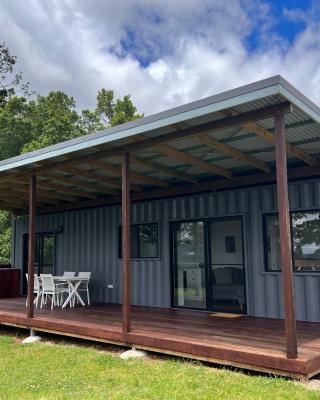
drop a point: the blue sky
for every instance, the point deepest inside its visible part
(286, 27)
(284, 19)
(164, 53)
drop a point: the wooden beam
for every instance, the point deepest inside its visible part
(14, 197)
(46, 184)
(188, 158)
(80, 183)
(15, 209)
(181, 190)
(290, 148)
(19, 194)
(232, 152)
(101, 179)
(133, 175)
(194, 161)
(208, 127)
(285, 239)
(31, 245)
(53, 196)
(126, 245)
(161, 168)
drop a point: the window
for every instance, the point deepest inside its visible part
(272, 242)
(305, 232)
(144, 241)
(306, 241)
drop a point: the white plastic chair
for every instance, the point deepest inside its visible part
(37, 290)
(50, 289)
(84, 286)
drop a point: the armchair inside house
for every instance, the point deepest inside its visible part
(228, 285)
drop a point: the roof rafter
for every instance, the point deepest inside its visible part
(135, 175)
(93, 187)
(101, 179)
(189, 159)
(161, 168)
(270, 138)
(17, 195)
(46, 184)
(233, 152)
(194, 161)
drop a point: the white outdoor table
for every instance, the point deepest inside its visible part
(74, 282)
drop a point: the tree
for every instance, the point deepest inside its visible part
(15, 126)
(5, 237)
(13, 129)
(90, 122)
(10, 80)
(306, 234)
(30, 123)
(53, 120)
(117, 112)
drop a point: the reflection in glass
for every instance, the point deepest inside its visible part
(305, 227)
(44, 255)
(272, 237)
(190, 265)
(227, 269)
(148, 240)
(144, 241)
(306, 241)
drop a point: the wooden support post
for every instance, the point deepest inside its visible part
(285, 238)
(31, 244)
(126, 245)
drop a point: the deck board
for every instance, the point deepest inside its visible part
(249, 342)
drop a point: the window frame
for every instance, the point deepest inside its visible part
(139, 257)
(264, 237)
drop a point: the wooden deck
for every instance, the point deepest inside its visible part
(246, 342)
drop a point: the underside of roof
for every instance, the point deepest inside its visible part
(216, 139)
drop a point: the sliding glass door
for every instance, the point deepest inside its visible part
(189, 265)
(208, 265)
(227, 280)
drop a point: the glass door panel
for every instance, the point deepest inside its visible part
(47, 254)
(44, 255)
(227, 266)
(189, 265)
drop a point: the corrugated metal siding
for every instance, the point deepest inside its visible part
(89, 242)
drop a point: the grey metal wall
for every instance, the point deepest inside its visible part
(89, 242)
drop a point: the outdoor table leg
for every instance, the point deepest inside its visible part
(72, 293)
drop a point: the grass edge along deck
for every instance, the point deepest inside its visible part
(166, 342)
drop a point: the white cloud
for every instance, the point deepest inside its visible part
(197, 47)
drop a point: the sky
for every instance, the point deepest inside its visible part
(163, 53)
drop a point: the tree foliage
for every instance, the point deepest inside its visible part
(5, 237)
(29, 122)
(10, 81)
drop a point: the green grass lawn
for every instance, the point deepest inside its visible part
(65, 371)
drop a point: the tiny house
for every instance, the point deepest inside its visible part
(200, 226)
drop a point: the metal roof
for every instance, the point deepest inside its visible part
(156, 165)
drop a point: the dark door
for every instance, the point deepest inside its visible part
(189, 288)
(226, 271)
(44, 255)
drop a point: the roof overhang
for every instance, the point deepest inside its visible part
(230, 134)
